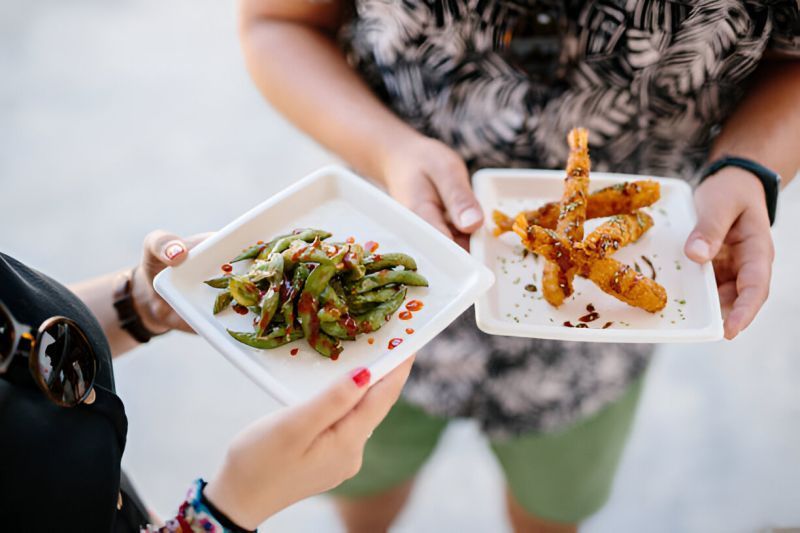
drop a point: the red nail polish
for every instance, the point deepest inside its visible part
(361, 376)
(174, 250)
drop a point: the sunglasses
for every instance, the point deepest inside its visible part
(60, 356)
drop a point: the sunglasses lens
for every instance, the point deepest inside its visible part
(66, 363)
(6, 335)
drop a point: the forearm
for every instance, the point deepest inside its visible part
(98, 295)
(766, 125)
(302, 72)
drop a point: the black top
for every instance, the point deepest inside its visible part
(59, 467)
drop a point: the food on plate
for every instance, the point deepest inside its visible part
(594, 262)
(568, 253)
(619, 199)
(558, 275)
(300, 285)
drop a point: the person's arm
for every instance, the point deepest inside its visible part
(160, 250)
(304, 450)
(294, 61)
(733, 225)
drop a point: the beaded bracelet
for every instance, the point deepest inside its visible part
(197, 515)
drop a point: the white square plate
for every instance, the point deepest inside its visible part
(692, 312)
(338, 201)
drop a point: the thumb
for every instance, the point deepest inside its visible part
(162, 249)
(452, 184)
(334, 403)
(714, 220)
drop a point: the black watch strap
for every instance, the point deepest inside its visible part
(129, 319)
(770, 179)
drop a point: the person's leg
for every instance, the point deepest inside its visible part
(370, 501)
(556, 480)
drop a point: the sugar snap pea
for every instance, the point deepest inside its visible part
(277, 337)
(375, 319)
(222, 301)
(386, 277)
(382, 261)
(308, 307)
(218, 283)
(307, 235)
(244, 291)
(348, 326)
(269, 305)
(249, 253)
(306, 254)
(298, 279)
(270, 269)
(373, 296)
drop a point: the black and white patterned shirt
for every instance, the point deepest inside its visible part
(651, 79)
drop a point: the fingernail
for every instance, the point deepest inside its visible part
(174, 250)
(361, 376)
(470, 217)
(700, 249)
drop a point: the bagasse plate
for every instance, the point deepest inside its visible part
(336, 200)
(692, 312)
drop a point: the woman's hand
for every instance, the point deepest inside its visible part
(303, 450)
(733, 230)
(432, 180)
(160, 250)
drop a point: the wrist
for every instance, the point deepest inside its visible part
(736, 172)
(141, 294)
(223, 493)
(737, 181)
(396, 149)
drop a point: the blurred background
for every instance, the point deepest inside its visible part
(117, 118)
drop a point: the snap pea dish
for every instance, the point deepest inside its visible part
(303, 286)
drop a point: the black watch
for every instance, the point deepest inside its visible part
(768, 178)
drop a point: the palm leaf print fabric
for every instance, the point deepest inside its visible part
(652, 80)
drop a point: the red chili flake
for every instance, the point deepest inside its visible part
(607, 325)
(371, 340)
(334, 356)
(227, 267)
(581, 326)
(259, 242)
(568, 324)
(414, 305)
(591, 317)
(394, 343)
(405, 315)
(350, 240)
(239, 308)
(294, 351)
(370, 246)
(377, 257)
(410, 331)
(590, 308)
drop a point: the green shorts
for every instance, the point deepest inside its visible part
(564, 476)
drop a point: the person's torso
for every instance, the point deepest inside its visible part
(60, 466)
(652, 80)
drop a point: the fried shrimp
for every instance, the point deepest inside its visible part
(619, 199)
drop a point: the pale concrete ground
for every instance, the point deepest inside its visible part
(120, 117)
